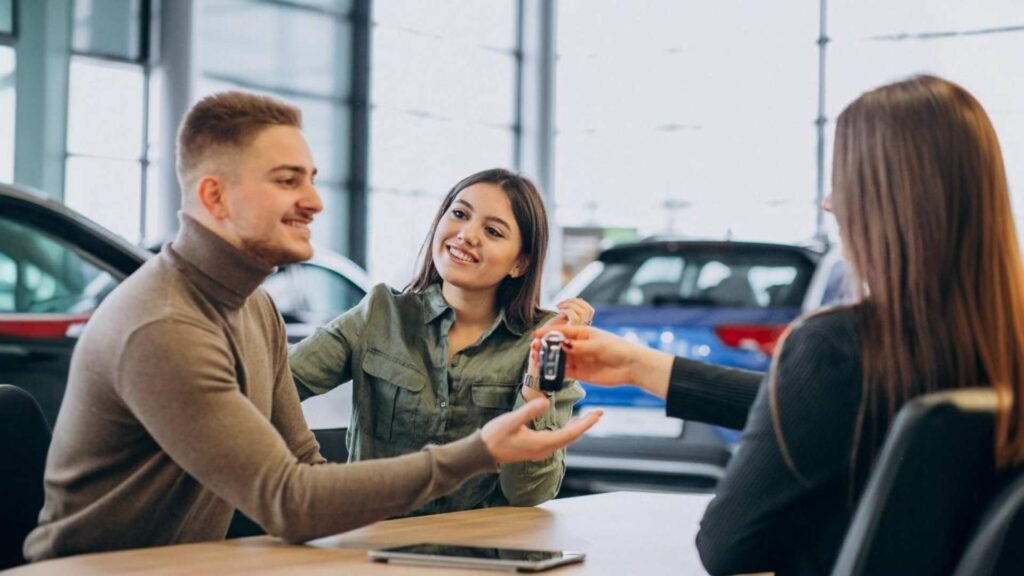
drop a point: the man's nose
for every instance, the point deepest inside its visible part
(311, 200)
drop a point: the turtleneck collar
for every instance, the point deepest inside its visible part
(224, 273)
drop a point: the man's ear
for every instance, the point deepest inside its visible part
(211, 192)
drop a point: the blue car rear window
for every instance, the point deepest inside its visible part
(704, 277)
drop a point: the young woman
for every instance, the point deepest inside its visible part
(920, 195)
(436, 361)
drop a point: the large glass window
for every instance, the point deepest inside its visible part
(687, 118)
(7, 102)
(6, 16)
(112, 28)
(105, 174)
(977, 45)
(299, 52)
(443, 107)
(105, 140)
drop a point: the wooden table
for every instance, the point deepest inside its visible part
(622, 533)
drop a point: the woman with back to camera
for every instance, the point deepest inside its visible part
(920, 195)
(434, 362)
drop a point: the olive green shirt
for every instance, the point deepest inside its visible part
(406, 394)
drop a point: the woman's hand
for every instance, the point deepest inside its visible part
(572, 312)
(598, 357)
(508, 438)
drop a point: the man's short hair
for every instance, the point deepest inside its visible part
(223, 124)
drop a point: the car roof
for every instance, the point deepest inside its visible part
(330, 259)
(625, 251)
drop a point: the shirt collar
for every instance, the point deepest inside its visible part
(434, 306)
(223, 272)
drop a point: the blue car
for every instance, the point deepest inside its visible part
(721, 302)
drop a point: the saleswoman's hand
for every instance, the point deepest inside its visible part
(598, 357)
(571, 312)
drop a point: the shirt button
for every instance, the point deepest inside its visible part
(444, 404)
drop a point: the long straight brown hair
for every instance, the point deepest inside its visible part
(519, 297)
(920, 195)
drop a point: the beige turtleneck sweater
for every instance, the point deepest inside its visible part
(180, 407)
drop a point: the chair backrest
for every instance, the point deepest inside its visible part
(24, 440)
(932, 479)
(997, 548)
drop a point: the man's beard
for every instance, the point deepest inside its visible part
(269, 253)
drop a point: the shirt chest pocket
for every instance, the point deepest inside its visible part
(493, 397)
(396, 392)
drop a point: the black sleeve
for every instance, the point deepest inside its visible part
(764, 510)
(711, 394)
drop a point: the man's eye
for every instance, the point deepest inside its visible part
(287, 181)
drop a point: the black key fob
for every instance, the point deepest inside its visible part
(552, 362)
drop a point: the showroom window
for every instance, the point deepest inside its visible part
(977, 45)
(7, 92)
(299, 52)
(443, 106)
(107, 174)
(687, 118)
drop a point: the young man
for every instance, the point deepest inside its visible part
(180, 405)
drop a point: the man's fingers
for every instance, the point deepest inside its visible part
(577, 426)
(529, 412)
(555, 439)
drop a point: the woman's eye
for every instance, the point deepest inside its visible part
(458, 213)
(495, 232)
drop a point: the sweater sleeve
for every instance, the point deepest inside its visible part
(287, 416)
(764, 508)
(192, 407)
(711, 394)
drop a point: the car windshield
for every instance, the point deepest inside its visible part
(733, 278)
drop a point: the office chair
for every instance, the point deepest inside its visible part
(997, 548)
(24, 440)
(934, 476)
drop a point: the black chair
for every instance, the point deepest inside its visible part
(997, 548)
(24, 440)
(934, 476)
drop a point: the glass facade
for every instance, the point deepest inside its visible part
(443, 106)
(112, 28)
(299, 52)
(687, 118)
(106, 143)
(977, 45)
(8, 96)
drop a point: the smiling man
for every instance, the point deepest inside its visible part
(180, 405)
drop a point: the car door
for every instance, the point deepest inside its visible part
(54, 272)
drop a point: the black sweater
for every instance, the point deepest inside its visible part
(765, 517)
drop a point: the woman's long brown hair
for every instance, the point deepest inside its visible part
(920, 195)
(519, 297)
